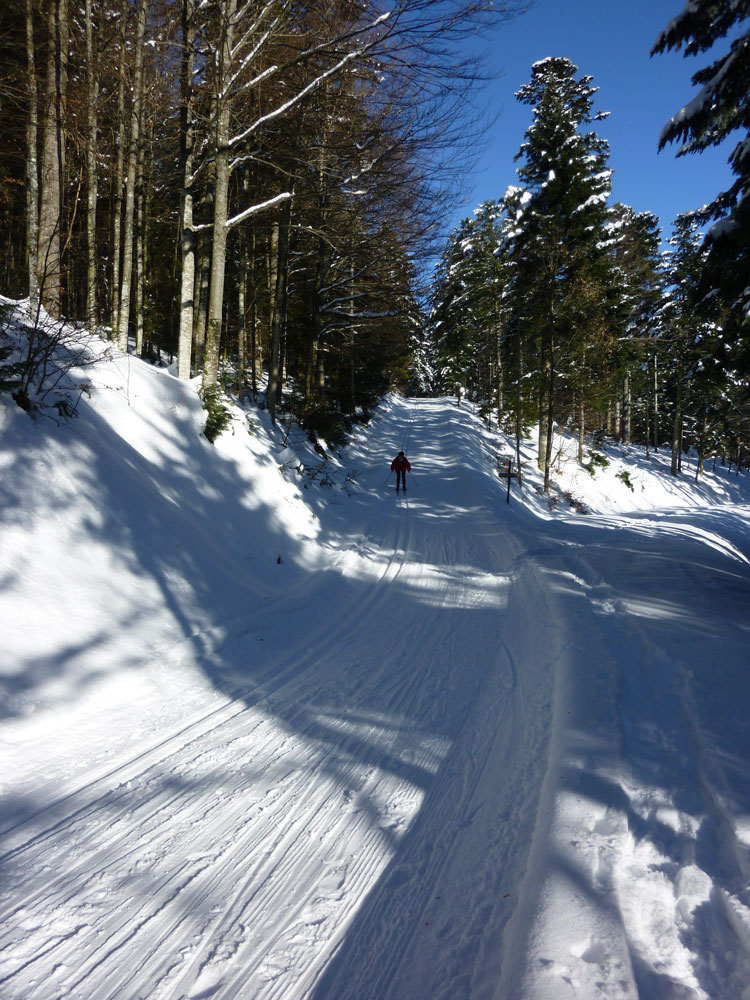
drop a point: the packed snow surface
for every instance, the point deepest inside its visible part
(270, 731)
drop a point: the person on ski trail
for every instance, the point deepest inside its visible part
(400, 465)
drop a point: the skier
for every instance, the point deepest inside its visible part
(400, 465)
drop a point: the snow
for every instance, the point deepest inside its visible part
(266, 737)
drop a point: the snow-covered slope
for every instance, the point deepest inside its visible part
(272, 732)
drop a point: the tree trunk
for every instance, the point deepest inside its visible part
(50, 212)
(63, 28)
(118, 180)
(581, 429)
(128, 222)
(222, 105)
(200, 317)
(187, 235)
(519, 375)
(273, 267)
(221, 195)
(500, 374)
(626, 411)
(656, 404)
(241, 316)
(677, 428)
(140, 244)
(218, 265)
(254, 360)
(32, 168)
(544, 382)
(701, 447)
(648, 410)
(279, 299)
(549, 420)
(92, 93)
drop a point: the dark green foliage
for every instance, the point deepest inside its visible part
(624, 477)
(218, 416)
(596, 461)
(562, 289)
(467, 315)
(320, 422)
(720, 109)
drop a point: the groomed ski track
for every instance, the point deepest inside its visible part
(360, 805)
(362, 810)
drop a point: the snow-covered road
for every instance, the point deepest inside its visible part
(459, 751)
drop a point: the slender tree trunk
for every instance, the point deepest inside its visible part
(218, 265)
(92, 93)
(316, 364)
(283, 355)
(677, 428)
(581, 428)
(519, 375)
(221, 195)
(544, 382)
(656, 403)
(200, 318)
(32, 168)
(273, 266)
(549, 419)
(253, 318)
(50, 211)
(242, 315)
(187, 235)
(140, 243)
(279, 299)
(500, 374)
(351, 342)
(117, 199)
(320, 369)
(701, 447)
(242, 290)
(128, 222)
(63, 28)
(626, 411)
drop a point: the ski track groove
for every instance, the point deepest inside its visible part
(95, 814)
(206, 834)
(156, 755)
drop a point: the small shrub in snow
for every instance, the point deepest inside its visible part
(596, 461)
(40, 358)
(625, 478)
(577, 504)
(218, 417)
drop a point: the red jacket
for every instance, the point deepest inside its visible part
(399, 463)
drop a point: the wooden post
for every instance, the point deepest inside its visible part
(507, 471)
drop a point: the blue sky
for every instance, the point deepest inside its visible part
(609, 40)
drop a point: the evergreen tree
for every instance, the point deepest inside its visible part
(638, 273)
(466, 316)
(693, 373)
(563, 276)
(720, 109)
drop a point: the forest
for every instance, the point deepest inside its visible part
(258, 190)
(553, 306)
